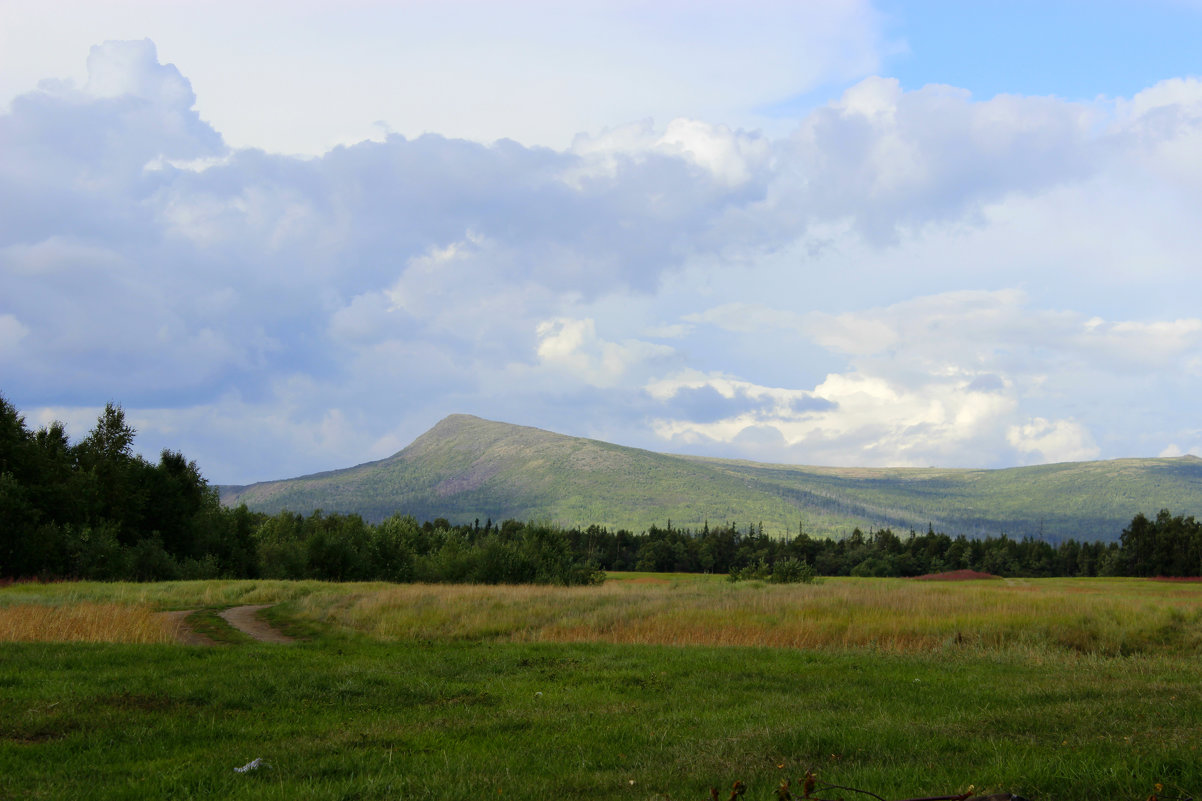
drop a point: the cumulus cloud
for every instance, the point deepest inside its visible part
(941, 380)
(574, 347)
(878, 157)
(1174, 450)
(732, 158)
(1053, 441)
(851, 419)
(536, 72)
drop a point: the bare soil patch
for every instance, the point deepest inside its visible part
(246, 619)
(957, 575)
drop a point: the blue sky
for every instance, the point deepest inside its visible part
(292, 237)
(1074, 50)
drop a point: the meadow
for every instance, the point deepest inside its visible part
(646, 687)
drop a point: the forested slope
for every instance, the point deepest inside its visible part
(467, 468)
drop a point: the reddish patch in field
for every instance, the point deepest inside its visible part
(957, 575)
(1178, 578)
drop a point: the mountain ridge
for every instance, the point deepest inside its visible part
(466, 468)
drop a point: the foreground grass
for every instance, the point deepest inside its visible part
(475, 712)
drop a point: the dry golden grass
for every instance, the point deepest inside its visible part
(1108, 617)
(1081, 616)
(85, 622)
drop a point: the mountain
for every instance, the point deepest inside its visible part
(466, 468)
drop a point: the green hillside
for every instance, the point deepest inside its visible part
(466, 468)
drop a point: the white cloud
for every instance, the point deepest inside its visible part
(851, 334)
(937, 380)
(1053, 440)
(1143, 347)
(732, 158)
(966, 333)
(853, 419)
(132, 69)
(779, 401)
(1175, 450)
(535, 72)
(12, 331)
(433, 279)
(574, 347)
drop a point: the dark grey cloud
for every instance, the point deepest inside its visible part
(706, 405)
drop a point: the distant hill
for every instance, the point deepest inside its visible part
(467, 468)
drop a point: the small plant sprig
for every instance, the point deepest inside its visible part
(1158, 794)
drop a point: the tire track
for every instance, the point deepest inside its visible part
(244, 618)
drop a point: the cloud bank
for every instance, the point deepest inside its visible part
(905, 277)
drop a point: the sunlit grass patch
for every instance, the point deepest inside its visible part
(85, 622)
(1072, 616)
(1105, 617)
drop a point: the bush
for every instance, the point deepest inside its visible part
(792, 571)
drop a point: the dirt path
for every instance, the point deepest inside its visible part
(184, 632)
(246, 619)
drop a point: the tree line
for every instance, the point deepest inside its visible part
(95, 510)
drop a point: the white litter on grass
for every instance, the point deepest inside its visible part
(254, 764)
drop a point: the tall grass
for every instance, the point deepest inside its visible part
(168, 594)
(1106, 617)
(1103, 617)
(85, 622)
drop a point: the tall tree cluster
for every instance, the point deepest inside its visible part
(94, 509)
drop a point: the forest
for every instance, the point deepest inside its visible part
(93, 509)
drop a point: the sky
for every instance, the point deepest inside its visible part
(291, 237)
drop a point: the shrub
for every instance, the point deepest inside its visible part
(792, 571)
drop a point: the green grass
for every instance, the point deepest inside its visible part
(467, 468)
(217, 593)
(343, 715)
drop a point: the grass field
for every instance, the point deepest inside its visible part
(648, 687)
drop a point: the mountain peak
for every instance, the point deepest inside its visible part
(467, 467)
